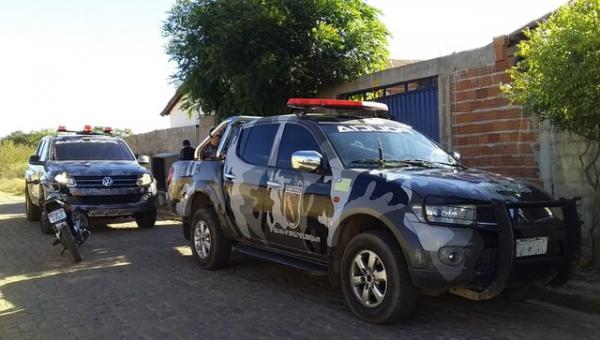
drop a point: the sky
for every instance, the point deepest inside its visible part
(102, 62)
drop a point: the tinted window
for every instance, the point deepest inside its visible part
(295, 138)
(256, 143)
(91, 149)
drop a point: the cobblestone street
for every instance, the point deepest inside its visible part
(135, 283)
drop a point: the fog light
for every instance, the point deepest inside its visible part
(147, 196)
(451, 256)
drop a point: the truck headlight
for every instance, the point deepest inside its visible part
(144, 180)
(64, 179)
(446, 214)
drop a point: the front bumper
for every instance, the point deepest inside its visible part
(114, 203)
(490, 263)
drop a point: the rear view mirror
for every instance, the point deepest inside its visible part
(144, 159)
(35, 160)
(306, 160)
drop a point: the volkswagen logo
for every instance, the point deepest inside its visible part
(107, 182)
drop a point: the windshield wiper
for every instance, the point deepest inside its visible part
(379, 162)
(429, 164)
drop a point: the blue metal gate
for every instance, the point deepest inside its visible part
(413, 102)
(418, 108)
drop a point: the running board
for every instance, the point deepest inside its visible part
(310, 267)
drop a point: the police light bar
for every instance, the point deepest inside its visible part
(108, 129)
(304, 103)
(87, 129)
(61, 128)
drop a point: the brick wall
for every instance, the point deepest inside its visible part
(490, 133)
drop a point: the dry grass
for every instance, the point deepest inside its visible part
(15, 186)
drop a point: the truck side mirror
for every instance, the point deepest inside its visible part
(306, 160)
(144, 159)
(35, 160)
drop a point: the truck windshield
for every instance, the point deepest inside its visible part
(359, 145)
(91, 149)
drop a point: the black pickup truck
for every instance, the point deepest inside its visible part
(100, 173)
(380, 208)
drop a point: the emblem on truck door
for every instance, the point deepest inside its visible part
(292, 201)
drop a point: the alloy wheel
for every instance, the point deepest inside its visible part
(202, 239)
(368, 278)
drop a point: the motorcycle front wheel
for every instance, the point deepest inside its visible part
(69, 243)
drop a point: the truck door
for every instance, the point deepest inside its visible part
(34, 172)
(298, 205)
(245, 178)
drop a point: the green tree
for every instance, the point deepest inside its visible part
(558, 79)
(30, 138)
(249, 57)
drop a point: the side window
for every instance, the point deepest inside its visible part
(256, 143)
(295, 138)
(44, 150)
(38, 150)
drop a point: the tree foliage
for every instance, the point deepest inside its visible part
(249, 57)
(30, 138)
(558, 79)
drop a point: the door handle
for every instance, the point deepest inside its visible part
(230, 176)
(274, 184)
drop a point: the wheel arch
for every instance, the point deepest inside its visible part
(360, 220)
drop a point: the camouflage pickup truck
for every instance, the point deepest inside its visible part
(381, 209)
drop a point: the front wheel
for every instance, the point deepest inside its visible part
(146, 220)
(209, 246)
(45, 225)
(31, 210)
(69, 242)
(375, 279)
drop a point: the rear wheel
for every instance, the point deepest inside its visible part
(32, 211)
(146, 220)
(69, 243)
(209, 246)
(375, 279)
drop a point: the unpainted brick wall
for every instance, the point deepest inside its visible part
(488, 131)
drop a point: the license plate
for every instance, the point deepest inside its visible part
(57, 215)
(531, 246)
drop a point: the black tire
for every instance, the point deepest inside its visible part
(146, 220)
(518, 293)
(31, 210)
(216, 253)
(399, 296)
(69, 243)
(45, 225)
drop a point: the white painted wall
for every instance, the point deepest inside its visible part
(180, 118)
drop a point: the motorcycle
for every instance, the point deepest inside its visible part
(69, 224)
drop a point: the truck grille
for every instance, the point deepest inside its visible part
(95, 182)
(109, 200)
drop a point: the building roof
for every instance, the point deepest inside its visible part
(172, 103)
